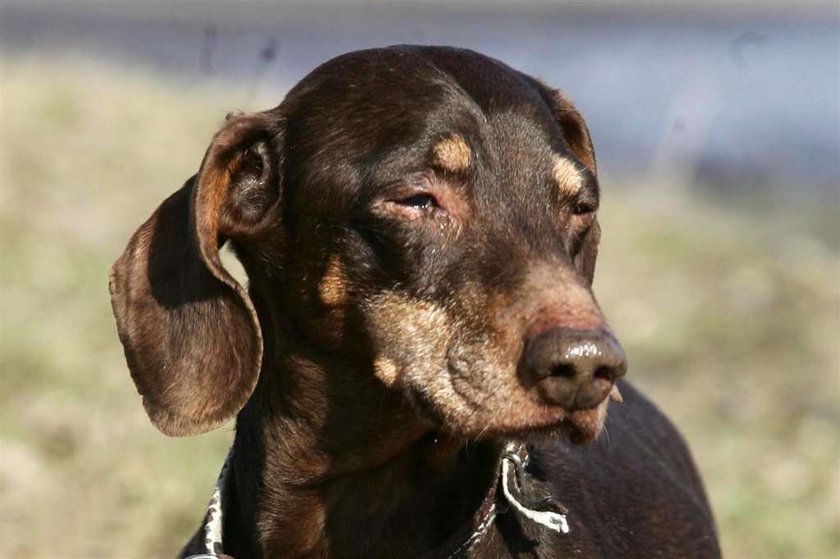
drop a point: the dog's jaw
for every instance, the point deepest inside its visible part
(465, 385)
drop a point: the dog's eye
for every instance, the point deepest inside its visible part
(582, 208)
(584, 204)
(412, 202)
(419, 201)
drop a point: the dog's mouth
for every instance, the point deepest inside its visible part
(584, 426)
(579, 426)
(515, 416)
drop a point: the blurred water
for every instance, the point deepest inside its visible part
(744, 100)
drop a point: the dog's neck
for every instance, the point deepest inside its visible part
(307, 498)
(326, 464)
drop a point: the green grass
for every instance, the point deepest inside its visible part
(729, 311)
(730, 320)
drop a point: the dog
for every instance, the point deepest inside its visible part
(419, 358)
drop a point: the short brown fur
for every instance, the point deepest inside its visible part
(420, 267)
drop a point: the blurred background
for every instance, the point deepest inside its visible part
(717, 129)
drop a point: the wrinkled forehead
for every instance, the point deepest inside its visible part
(362, 105)
(393, 96)
(369, 119)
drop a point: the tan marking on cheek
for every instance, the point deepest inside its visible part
(453, 154)
(418, 331)
(411, 322)
(568, 176)
(333, 286)
(385, 370)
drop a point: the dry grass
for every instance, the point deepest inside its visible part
(729, 315)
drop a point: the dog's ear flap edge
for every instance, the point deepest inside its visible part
(575, 131)
(578, 140)
(572, 124)
(190, 332)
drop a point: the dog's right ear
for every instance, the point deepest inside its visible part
(190, 332)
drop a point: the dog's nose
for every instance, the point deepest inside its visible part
(575, 369)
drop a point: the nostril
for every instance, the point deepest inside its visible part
(564, 370)
(575, 369)
(605, 373)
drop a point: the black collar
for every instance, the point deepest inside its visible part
(515, 481)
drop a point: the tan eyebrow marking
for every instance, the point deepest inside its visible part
(453, 153)
(569, 178)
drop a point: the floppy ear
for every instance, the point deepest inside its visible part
(579, 142)
(574, 129)
(190, 332)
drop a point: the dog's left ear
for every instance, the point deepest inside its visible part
(579, 142)
(573, 127)
(575, 131)
(190, 332)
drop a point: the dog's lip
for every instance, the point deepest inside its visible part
(583, 426)
(580, 426)
(534, 416)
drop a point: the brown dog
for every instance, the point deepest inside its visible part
(418, 228)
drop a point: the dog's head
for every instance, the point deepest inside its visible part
(426, 215)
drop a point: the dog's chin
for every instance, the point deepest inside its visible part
(540, 422)
(584, 426)
(579, 427)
